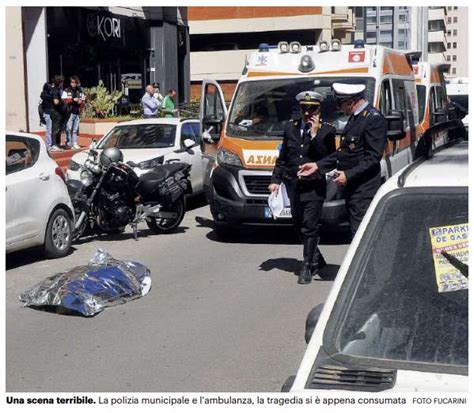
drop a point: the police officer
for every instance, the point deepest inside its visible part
(305, 140)
(356, 163)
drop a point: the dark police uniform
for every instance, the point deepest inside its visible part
(306, 194)
(362, 144)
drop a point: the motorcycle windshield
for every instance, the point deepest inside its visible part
(140, 137)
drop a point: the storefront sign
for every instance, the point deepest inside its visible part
(103, 26)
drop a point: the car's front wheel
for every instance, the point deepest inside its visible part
(58, 234)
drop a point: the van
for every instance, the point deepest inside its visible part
(433, 105)
(242, 144)
(396, 318)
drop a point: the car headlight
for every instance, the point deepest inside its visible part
(225, 157)
(86, 177)
(74, 166)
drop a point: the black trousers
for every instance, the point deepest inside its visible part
(56, 127)
(306, 215)
(358, 197)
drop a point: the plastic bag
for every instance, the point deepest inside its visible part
(88, 289)
(278, 201)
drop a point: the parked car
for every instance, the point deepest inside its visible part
(145, 139)
(397, 315)
(38, 207)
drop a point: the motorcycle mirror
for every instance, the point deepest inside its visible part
(93, 152)
(132, 164)
(93, 143)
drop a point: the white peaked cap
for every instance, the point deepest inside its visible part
(345, 89)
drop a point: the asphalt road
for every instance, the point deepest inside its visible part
(221, 316)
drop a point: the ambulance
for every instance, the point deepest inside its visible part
(241, 144)
(433, 105)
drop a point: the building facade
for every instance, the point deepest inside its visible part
(125, 47)
(457, 36)
(222, 37)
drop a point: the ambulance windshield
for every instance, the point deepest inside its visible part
(261, 108)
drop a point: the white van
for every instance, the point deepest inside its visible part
(242, 146)
(396, 318)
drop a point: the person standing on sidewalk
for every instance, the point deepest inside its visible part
(307, 139)
(168, 109)
(46, 107)
(74, 99)
(150, 104)
(56, 112)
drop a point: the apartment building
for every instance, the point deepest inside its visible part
(222, 37)
(457, 36)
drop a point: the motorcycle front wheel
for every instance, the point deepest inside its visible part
(174, 215)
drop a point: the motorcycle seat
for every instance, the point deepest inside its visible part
(150, 181)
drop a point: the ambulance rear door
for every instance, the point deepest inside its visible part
(212, 116)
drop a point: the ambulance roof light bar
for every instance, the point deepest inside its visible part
(323, 46)
(295, 47)
(283, 47)
(335, 45)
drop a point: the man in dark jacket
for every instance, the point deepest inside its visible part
(308, 139)
(45, 112)
(356, 163)
(56, 112)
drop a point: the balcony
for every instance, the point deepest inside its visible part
(436, 58)
(437, 14)
(437, 37)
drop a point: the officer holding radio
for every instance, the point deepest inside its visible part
(355, 166)
(305, 140)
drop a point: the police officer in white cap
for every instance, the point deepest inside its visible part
(307, 139)
(357, 160)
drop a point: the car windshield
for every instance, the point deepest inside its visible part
(140, 137)
(261, 108)
(405, 295)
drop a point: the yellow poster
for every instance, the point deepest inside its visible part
(450, 246)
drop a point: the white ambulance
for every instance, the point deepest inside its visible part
(241, 144)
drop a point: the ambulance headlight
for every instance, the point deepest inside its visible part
(283, 47)
(228, 158)
(86, 177)
(323, 46)
(335, 45)
(306, 64)
(295, 47)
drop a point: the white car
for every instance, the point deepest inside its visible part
(145, 139)
(38, 207)
(396, 318)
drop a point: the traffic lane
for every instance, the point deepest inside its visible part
(217, 318)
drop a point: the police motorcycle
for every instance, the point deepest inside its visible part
(110, 195)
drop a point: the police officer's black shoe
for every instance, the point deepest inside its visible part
(305, 276)
(309, 246)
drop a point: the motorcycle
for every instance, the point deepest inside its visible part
(110, 195)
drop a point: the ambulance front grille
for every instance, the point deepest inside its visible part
(257, 184)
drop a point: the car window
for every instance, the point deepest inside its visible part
(421, 93)
(140, 136)
(404, 301)
(20, 153)
(190, 131)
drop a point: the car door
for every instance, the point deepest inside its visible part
(212, 116)
(27, 189)
(193, 156)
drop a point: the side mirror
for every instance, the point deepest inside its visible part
(311, 321)
(188, 143)
(439, 116)
(395, 128)
(93, 143)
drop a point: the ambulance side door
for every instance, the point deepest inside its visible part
(212, 117)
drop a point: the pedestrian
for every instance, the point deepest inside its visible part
(56, 112)
(74, 98)
(356, 164)
(168, 108)
(307, 139)
(45, 108)
(150, 104)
